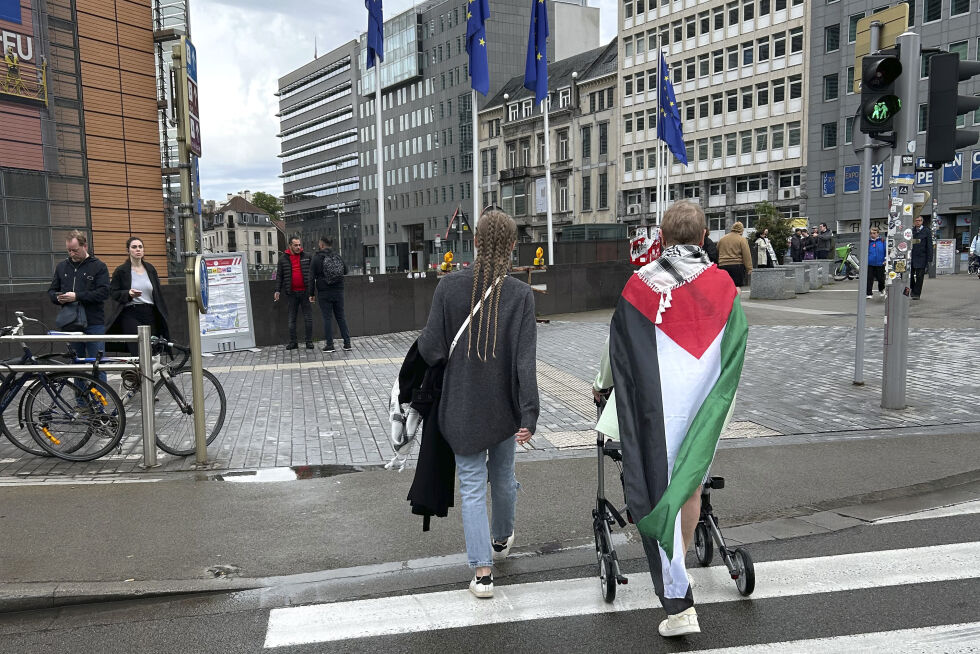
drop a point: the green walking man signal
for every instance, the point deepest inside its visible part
(879, 102)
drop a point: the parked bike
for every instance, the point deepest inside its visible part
(846, 265)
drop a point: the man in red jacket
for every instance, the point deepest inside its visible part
(295, 277)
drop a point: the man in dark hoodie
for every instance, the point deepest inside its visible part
(84, 279)
(295, 277)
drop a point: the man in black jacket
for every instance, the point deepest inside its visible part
(824, 241)
(295, 277)
(328, 277)
(84, 279)
(921, 255)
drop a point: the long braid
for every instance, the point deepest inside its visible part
(496, 233)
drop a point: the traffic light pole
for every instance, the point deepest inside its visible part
(866, 162)
(902, 176)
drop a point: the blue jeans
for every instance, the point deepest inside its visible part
(90, 349)
(473, 472)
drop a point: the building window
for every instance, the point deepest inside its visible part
(587, 191)
(563, 145)
(525, 152)
(761, 139)
(731, 100)
(793, 134)
(512, 155)
(778, 90)
(923, 117)
(852, 26)
(848, 129)
(628, 162)
(715, 147)
(513, 111)
(603, 191)
(258, 257)
(563, 194)
(932, 10)
(587, 142)
(830, 90)
(795, 87)
(849, 89)
(257, 238)
(957, 7)
(777, 132)
(731, 144)
(564, 98)
(702, 149)
(829, 131)
(796, 40)
(831, 38)
(746, 141)
(603, 139)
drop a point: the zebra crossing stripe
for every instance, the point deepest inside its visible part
(572, 597)
(949, 639)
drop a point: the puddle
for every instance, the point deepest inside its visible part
(287, 474)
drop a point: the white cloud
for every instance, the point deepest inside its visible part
(244, 47)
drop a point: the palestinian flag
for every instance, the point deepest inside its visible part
(676, 358)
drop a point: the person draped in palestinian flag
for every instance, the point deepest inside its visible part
(674, 357)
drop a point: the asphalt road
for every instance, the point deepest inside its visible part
(875, 601)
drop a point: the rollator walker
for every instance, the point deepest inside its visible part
(707, 534)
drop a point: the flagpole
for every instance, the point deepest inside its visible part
(547, 178)
(660, 184)
(382, 267)
(476, 170)
(666, 151)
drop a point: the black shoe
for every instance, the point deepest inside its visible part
(309, 345)
(328, 348)
(292, 346)
(347, 347)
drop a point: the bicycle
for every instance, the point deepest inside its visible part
(173, 410)
(846, 265)
(72, 415)
(974, 266)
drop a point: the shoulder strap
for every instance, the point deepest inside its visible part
(476, 308)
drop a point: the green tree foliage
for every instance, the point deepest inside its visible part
(268, 203)
(780, 228)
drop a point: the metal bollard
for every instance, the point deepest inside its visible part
(146, 393)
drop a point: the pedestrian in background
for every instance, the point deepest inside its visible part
(734, 256)
(876, 263)
(489, 392)
(710, 248)
(328, 281)
(295, 278)
(824, 241)
(921, 255)
(809, 242)
(82, 279)
(975, 248)
(135, 286)
(796, 245)
(765, 255)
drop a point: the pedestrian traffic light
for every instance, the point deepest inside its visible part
(946, 71)
(879, 102)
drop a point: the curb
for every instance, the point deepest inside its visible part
(825, 518)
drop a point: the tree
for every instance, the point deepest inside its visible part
(268, 203)
(780, 228)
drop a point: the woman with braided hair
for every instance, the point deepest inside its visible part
(489, 392)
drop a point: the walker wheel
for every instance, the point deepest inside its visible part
(745, 581)
(604, 557)
(703, 547)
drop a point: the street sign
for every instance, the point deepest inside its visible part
(191, 104)
(894, 21)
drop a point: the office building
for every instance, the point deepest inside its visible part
(584, 147)
(319, 152)
(739, 74)
(428, 120)
(834, 174)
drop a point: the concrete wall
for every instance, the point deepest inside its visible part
(390, 303)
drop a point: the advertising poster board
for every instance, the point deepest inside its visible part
(227, 325)
(945, 256)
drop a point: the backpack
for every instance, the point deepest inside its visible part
(332, 270)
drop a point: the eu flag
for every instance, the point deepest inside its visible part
(536, 68)
(669, 120)
(375, 32)
(477, 13)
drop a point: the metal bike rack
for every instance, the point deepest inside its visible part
(143, 363)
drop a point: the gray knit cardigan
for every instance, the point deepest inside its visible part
(483, 402)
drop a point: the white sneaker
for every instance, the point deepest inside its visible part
(869, 296)
(501, 550)
(680, 624)
(482, 587)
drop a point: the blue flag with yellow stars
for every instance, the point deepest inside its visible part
(669, 116)
(536, 69)
(375, 32)
(477, 13)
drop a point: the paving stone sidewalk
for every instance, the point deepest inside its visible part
(309, 408)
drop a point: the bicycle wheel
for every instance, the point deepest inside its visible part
(15, 429)
(74, 416)
(175, 414)
(603, 552)
(703, 547)
(840, 270)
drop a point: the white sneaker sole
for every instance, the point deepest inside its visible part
(678, 631)
(481, 592)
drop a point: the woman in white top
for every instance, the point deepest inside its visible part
(135, 286)
(766, 255)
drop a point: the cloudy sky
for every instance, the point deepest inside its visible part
(243, 48)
